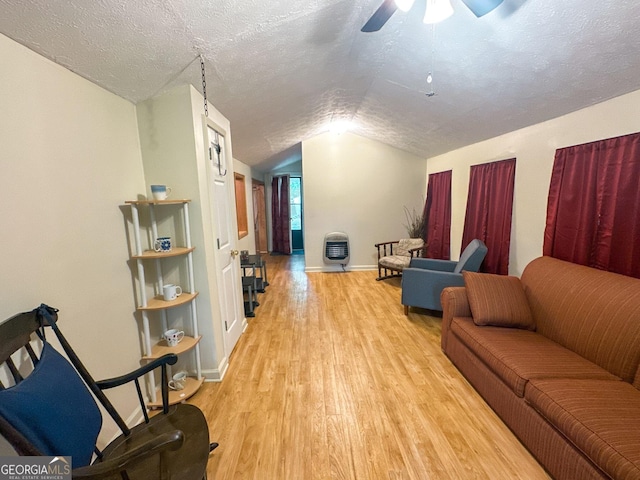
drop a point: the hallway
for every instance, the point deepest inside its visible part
(332, 381)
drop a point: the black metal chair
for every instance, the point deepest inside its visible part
(50, 410)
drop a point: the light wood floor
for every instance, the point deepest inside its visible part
(332, 381)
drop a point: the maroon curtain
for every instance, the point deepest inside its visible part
(280, 214)
(593, 211)
(437, 212)
(488, 215)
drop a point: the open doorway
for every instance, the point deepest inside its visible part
(297, 217)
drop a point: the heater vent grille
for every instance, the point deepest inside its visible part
(336, 248)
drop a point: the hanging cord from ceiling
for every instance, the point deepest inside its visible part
(431, 92)
(204, 86)
(215, 145)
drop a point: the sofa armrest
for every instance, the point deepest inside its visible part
(454, 304)
(433, 264)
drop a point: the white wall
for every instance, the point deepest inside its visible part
(69, 158)
(357, 186)
(534, 148)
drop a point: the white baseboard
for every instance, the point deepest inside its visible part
(338, 268)
(216, 374)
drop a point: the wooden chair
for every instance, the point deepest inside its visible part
(396, 255)
(47, 408)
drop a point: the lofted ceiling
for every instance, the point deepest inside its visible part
(281, 71)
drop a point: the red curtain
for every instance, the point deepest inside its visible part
(280, 215)
(488, 215)
(437, 212)
(593, 212)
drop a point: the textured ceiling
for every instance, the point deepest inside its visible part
(280, 71)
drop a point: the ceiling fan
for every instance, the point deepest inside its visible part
(437, 10)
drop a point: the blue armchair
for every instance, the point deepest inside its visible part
(424, 280)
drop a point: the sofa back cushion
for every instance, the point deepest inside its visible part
(592, 312)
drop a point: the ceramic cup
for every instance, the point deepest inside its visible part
(160, 192)
(171, 292)
(178, 381)
(173, 337)
(162, 244)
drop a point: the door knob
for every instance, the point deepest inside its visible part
(234, 253)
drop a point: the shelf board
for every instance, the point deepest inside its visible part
(158, 202)
(176, 396)
(158, 303)
(161, 348)
(174, 252)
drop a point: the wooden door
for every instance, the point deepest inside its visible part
(260, 216)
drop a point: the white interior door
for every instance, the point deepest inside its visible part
(223, 210)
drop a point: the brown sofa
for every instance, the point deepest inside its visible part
(564, 376)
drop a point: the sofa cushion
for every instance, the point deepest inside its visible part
(498, 300)
(601, 418)
(592, 312)
(516, 355)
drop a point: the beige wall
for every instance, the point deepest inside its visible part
(357, 186)
(69, 158)
(534, 148)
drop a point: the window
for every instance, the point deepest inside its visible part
(438, 215)
(295, 196)
(488, 216)
(241, 206)
(593, 212)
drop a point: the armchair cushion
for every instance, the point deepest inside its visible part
(498, 300)
(395, 262)
(406, 244)
(399, 255)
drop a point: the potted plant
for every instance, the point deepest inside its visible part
(415, 223)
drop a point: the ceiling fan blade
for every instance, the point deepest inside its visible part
(481, 7)
(380, 17)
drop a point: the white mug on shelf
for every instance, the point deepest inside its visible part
(171, 292)
(173, 337)
(178, 381)
(160, 192)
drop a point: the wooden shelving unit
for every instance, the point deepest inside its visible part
(154, 308)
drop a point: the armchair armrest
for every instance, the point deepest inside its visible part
(168, 359)
(417, 251)
(433, 264)
(114, 466)
(454, 304)
(162, 362)
(384, 245)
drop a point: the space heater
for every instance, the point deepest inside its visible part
(336, 248)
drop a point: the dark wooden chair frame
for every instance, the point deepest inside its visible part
(382, 252)
(15, 335)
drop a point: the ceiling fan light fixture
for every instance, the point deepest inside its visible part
(404, 5)
(437, 11)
